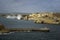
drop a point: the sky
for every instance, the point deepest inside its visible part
(29, 6)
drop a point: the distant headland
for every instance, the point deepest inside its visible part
(39, 17)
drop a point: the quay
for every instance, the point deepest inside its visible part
(30, 30)
(6, 30)
(25, 30)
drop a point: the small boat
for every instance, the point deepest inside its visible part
(45, 29)
(1, 33)
(6, 33)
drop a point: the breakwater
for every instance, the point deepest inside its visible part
(30, 30)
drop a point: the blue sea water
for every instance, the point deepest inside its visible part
(54, 33)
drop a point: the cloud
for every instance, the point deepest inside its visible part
(29, 5)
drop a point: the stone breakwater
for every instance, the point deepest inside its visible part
(31, 29)
(6, 30)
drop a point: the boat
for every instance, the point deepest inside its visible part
(6, 33)
(45, 29)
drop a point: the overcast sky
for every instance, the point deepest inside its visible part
(29, 6)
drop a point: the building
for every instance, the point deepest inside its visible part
(34, 16)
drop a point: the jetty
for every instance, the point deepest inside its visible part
(45, 29)
(6, 30)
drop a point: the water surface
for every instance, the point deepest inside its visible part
(54, 33)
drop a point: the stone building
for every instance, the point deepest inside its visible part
(40, 15)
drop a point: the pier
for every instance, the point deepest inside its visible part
(30, 30)
(6, 30)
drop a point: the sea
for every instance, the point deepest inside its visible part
(54, 33)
